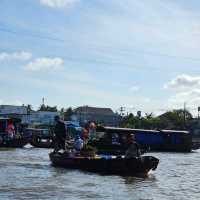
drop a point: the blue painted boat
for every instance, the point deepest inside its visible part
(153, 140)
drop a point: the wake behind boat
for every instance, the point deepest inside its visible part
(106, 164)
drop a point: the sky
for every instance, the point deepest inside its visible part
(143, 55)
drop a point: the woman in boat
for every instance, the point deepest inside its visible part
(85, 135)
(10, 129)
(92, 130)
(133, 148)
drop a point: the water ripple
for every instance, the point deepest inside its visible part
(27, 174)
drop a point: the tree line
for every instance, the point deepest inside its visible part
(65, 112)
(175, 119)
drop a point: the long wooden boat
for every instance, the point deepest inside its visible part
(153, 140)
(137, 166)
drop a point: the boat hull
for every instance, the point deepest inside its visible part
(103, 165)
(39, 143)
(14, 143)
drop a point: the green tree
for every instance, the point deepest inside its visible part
(176, 119)
(130, 121)
(48, 108)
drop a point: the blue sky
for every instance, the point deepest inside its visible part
(138, 54)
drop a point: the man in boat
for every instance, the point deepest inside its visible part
(133, 148)
(60, 134)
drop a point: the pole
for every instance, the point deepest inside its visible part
(43, 100)
(184, 114)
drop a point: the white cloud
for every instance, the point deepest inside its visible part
(183, 81)
(191, 98)
(21, 56)
(134, 88)
(58, 3)
(41, 64)
(186, 89)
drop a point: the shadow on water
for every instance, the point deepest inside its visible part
(7, 149)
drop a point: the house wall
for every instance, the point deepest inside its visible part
(10, 109)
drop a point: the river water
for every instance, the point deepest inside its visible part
(27, 174)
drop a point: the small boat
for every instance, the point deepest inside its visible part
(14, 143)
(42, 143)
(44, 137)
(18, 140)
(40, 138)
(137, 166)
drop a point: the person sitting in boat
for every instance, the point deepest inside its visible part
(92, 130)
(10, 129)
(133, 148)
(85, 135)
(60, 134)
(78, 143)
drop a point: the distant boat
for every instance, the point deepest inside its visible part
(14, 143)
(40, 138)
(153, 140)
(43, 138)
(17, 141)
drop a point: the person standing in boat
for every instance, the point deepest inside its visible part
(133, 148)
(60, 134)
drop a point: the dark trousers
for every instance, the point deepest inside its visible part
(59, 144)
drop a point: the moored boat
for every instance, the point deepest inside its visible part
(149, 140)
(42, 143)
(106, 164)
(14, 143)
(40, 138)
(15, 140)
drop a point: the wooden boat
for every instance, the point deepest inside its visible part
(137, 166)
(18, 140)
(43, 138)
(42, 143)
(14, 143)
(40, 138)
